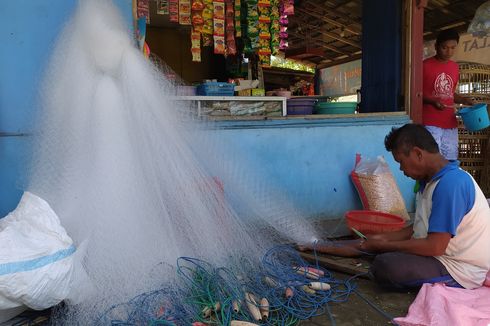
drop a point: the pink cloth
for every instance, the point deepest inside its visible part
(487, 280)
(439, 305)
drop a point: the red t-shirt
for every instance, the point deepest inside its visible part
(439, 82)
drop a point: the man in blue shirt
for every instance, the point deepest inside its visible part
(449, 240)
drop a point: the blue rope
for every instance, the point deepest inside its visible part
(202, 286)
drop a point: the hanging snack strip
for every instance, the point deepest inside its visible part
(184, 12)
(207, 28)
(230, 28)
(197, 19)
(264, 32)
(238, 23)
(252, 26)
(219, 26)
(196, 46)
(286, 9)
(197, 27)
(143, 9)
(274, 26)
(162, 7)
(173, 8)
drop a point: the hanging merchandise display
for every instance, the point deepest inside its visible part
(162, 7)
(219, 26)
(264, 32)
(274, 26)
(196, 46)
(230, 28)
(197, 18)
(238, 15)
(184, 12)
(143, 9)
(286, 9)
(197, 28)
(207, 29)
(257, 28)
(252, 30)
(173, 8)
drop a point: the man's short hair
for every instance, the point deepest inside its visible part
(409, 136)
(446, 35)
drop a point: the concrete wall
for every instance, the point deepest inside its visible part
(311, 159)
(28, 30)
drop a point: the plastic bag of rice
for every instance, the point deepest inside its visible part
(377, 187)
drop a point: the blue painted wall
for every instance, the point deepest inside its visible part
(312, 159)
(28, 30)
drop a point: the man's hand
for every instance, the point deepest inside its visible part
(464, 100)
(439, 106)
(374, 245)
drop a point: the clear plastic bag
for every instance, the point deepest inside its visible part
(480, 25)
(377, 187)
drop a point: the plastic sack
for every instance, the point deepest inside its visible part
(36, 263)
(480, 25)
(487, 280)
(377, 187)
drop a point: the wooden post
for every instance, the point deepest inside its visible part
(416, 57)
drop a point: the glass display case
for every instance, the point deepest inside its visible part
(238, 106)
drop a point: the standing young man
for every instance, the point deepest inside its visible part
(440, 78)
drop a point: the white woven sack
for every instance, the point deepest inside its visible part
(36, 260)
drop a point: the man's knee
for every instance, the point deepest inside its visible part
(387, 270)
(383, 266)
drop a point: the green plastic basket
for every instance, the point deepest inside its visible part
(336, 107)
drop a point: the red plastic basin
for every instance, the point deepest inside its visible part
(367, 222)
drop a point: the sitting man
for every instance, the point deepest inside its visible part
(449, 240)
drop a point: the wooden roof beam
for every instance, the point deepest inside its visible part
(350, 29)
(330, 34)
(304, 52)
(324, 45)
(333, 13)
(335, 62)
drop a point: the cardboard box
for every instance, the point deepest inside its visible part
(244, 92)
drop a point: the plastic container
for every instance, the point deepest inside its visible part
(336, 107)
(300, 109)
(369, 222)
(216, 89)
(186, 90)
(475, 118)
(300, 106)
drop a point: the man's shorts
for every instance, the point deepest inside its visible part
(447, 139)
(398, 271)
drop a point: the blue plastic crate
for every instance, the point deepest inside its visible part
(216, 89)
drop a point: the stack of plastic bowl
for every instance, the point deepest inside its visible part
(300, 105)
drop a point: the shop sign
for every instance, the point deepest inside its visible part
(470, 49)
(344, 79)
